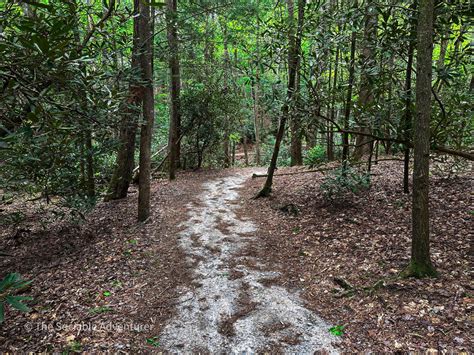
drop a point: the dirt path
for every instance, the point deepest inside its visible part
(230, 307)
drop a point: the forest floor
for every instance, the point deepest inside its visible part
(214, 269)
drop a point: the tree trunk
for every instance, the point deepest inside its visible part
(246, 154)
(366, 97)
(255, 92)
(294, 45)
(146, 130)
(386, 128)
(227, 142)
(347, 110)
(440, 63)
(89, 164)
(175, 86)
(256, 122)
(296, 153)
(125, 161)
(420, 263)
(233, 152)
(330, 145)
(407, 116)
(87, 154)
(208, 42)
(227, 153)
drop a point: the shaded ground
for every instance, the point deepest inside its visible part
(364, 240)
(130, 282)
(108, 283)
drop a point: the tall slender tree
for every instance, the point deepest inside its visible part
(146, 129)
(366, 91)
(296, 155)
(175, 86)
(348, 103)
(226, 62)
(256, 91)
(407, 114)
(333, 93)
(256, 116)
(420, 263)
(125, 160)
(294, 47)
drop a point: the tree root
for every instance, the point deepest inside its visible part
(419, 271)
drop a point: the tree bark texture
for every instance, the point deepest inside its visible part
(347, 109)
(366, 95)
(175, 87)
(125, 161)
(420, 264)
(146, 130)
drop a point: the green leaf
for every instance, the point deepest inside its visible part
(24, 298)
(153, 341)
(14, 301)
(9, 280)
(337, 330)
(2, 312)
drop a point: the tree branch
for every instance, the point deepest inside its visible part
(94, 27)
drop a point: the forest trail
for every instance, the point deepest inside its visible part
(229, 307)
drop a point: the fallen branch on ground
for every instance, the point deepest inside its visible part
(433, 148)
(293, 173)
(321, 169)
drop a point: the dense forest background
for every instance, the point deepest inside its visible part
(70, 80)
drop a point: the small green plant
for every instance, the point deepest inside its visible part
(315, 156)
(235, 137)
(101, 309)
(399, 203)
(337, 330)
(153, 341)
(133, 241)
(11, 284)
(13, 219)
(106, 293)
(117, 283)
(344, 182)
(73, 347)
